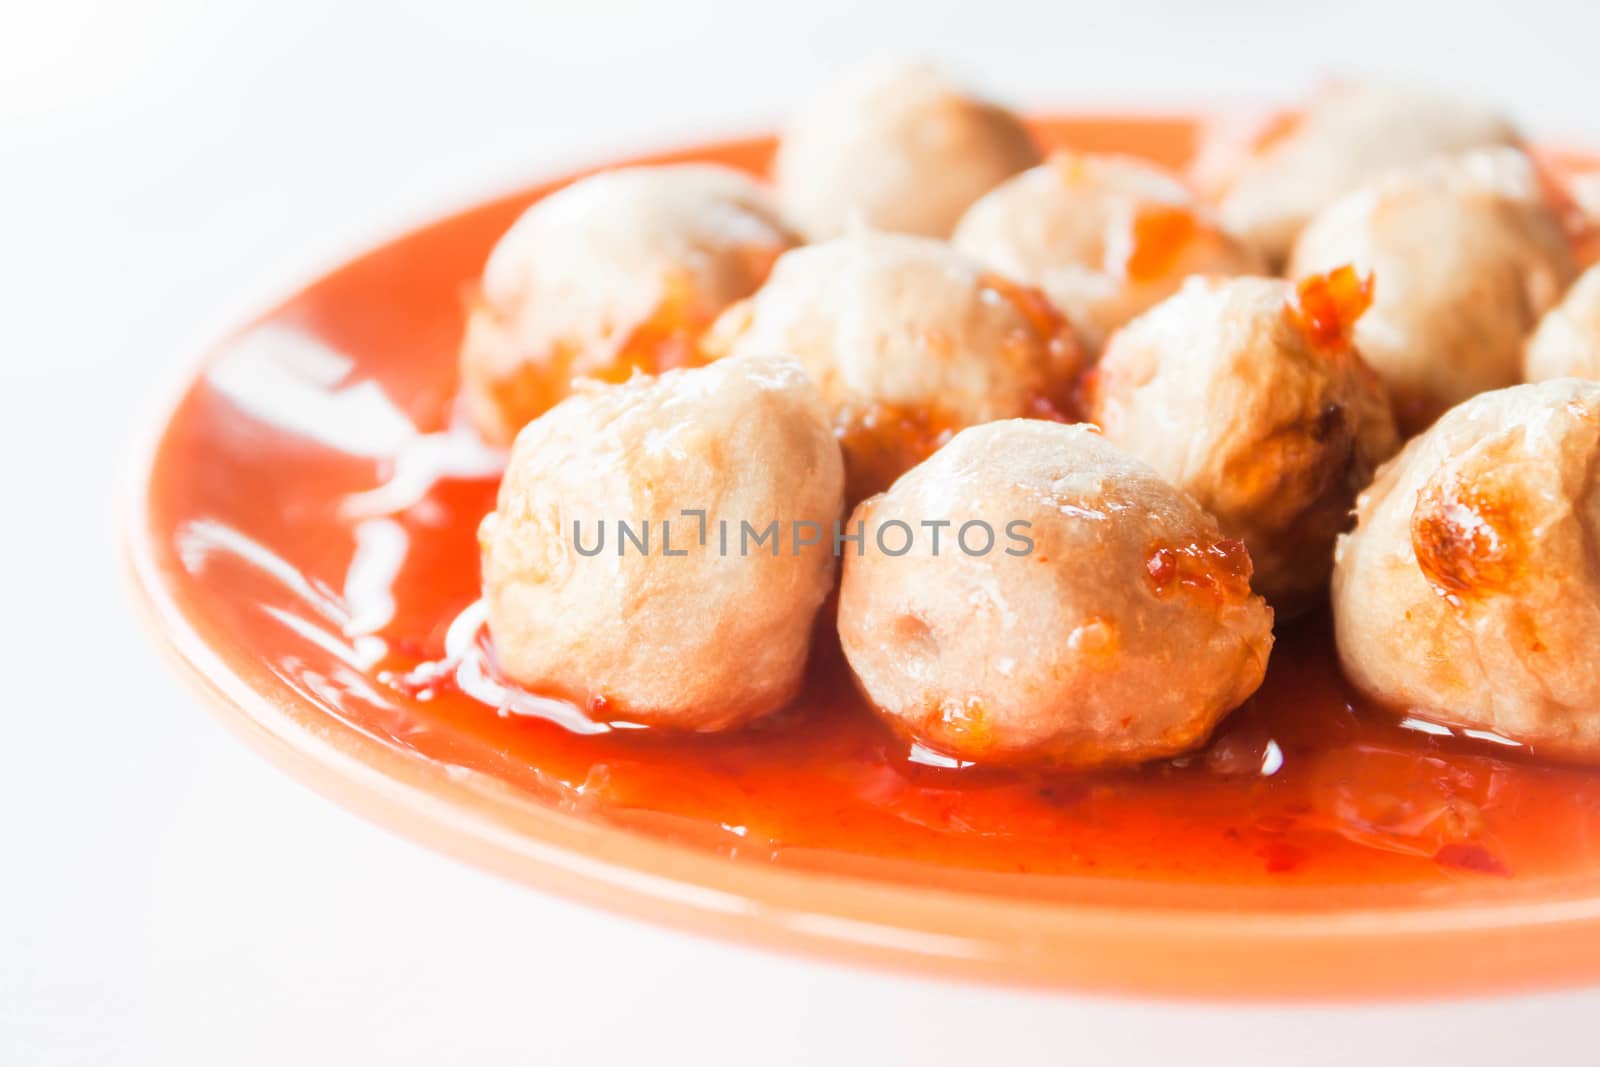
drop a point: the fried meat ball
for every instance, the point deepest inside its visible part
(909, 341)
(691, 634)
(1115, 625)
(615, 273)
(1469, 592)
(894, 145)
(1269, 182)
(1567, 341)
(1247, 394)
(1104, 237)
(1466, 254)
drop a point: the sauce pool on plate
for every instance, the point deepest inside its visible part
(349, 551)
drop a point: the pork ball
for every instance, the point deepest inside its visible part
(683, 619)
(1104, 237)
(1269, 179)
(909, 341)
(1567, 341)
(1466, 254)
(894, 145)
(1248, 394)
(1106, 620)
(1469, 592)
(615, 273)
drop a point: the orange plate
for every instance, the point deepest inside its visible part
(1372, 860)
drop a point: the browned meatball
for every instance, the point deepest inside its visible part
(1247, 394)
(681, 624)
(909, 341)
(617, 273)
(1466, 254)
(894, 145)
(1104, 237)
(1469, 592)
(1271, 179)
(1072, 608)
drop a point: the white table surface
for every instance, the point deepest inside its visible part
(168, 898)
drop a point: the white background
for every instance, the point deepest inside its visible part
(165, 168)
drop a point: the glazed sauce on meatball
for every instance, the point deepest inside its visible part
(1158, 235)
(1461, 542)
(667, 338)
(352, 561)
(1327, 306)
(883, 441)
(1221, 570)
(1045, 324)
